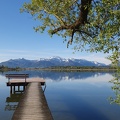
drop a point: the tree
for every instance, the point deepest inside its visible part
(116, 88)
(91, 25)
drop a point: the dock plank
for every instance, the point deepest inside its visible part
(21, 82)
(27, 80)
(33, 104)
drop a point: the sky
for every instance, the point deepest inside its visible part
(19, 40)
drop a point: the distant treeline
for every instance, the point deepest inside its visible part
(5, 68)
(62, 68)
(80, 68)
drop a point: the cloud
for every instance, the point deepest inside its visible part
(97, 57)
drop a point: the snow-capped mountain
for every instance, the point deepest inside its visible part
(52, 61)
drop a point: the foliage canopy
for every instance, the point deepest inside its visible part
(92, 25)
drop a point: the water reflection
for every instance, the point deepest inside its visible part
(12, 101)
(16, 91)
(58, 76)
(74, 95)
(15, 94)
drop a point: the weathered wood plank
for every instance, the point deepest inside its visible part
(36, 79)
(33, 105)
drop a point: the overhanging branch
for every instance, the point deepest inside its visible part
(84, 9)
(81, 20)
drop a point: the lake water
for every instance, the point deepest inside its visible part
(70, 95)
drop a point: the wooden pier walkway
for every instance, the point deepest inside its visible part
(33, 104)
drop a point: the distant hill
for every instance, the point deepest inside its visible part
(52, 61)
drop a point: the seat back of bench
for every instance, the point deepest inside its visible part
(18, 76)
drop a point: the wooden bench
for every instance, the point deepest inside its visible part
(17, 80)
(21, 81)
(17, 76)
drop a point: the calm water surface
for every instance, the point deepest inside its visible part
(70, 95)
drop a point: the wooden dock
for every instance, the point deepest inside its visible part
(16, 83)
(32, 104)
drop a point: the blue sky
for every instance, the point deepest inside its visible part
(19, 40)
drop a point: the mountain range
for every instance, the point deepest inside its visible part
(52, 61)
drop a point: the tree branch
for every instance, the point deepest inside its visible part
(84, 9)
(85, 4)
(71, 40)
(82, 20)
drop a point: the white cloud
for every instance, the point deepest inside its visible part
(98, 58)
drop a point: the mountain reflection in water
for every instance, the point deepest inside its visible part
(73, 95)
(58, 76)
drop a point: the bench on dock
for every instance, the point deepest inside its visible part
(17, 76)
(20, 79)
(11, 76)
(17, 80)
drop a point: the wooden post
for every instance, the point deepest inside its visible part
(24, 88)
(11, 89)
(18, 88)
(14, 89)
